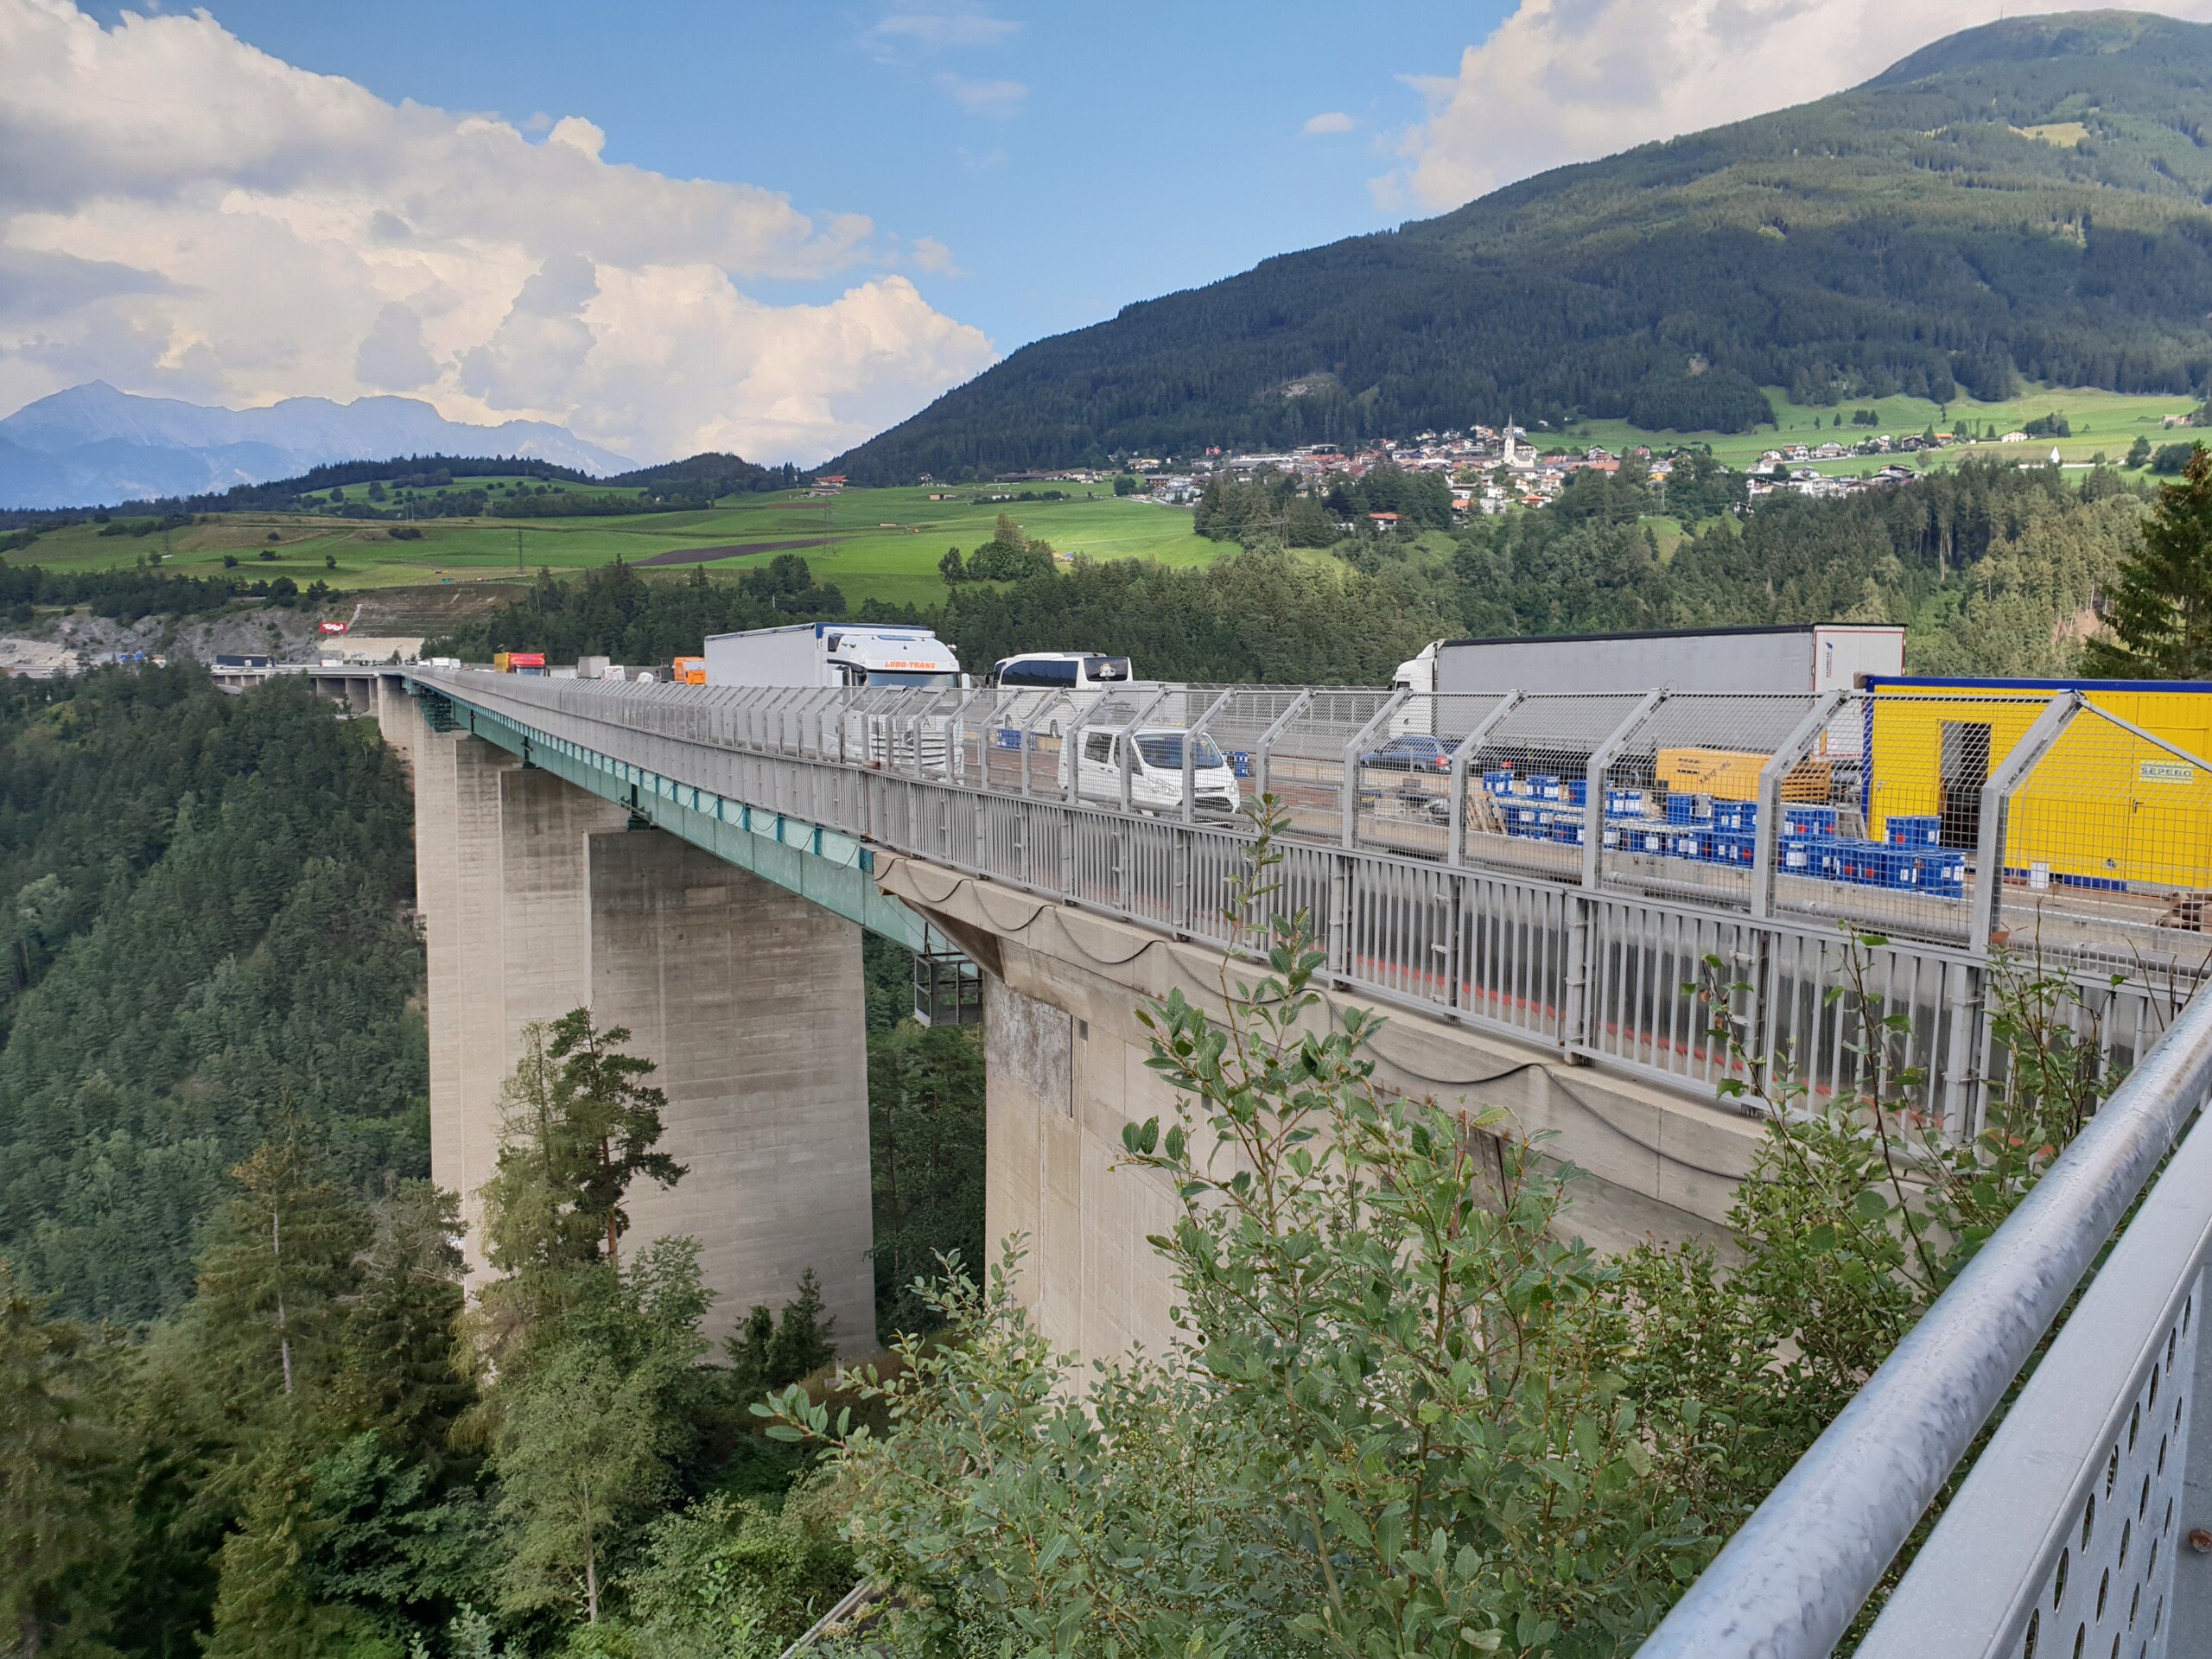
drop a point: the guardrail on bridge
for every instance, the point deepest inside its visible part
(1557, 868)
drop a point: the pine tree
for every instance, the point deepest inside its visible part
(578, 1124)
(2160, 610)
(265, 1609)
(803, 1345)
(61, 1517)
(281, 1259)
(615, 1112)
(752, 1354)
(399, 1372)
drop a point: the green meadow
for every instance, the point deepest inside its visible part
(886, 543)
(872, 543)
(2107, 422)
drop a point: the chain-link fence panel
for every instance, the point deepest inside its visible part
(1404, 771)
(1527, 802)
(1880, 819)
(1681, 791)
(1303, 763)
(2105, 849)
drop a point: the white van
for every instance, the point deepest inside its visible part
(1155, 771)
(1059, 670)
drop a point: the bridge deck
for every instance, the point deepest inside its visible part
(1428, 893)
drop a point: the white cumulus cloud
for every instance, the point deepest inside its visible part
(1568, 81)
(1001, 100)
(183, 215)
(1328, 121)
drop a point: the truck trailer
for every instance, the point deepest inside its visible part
(831, 653)
(1799, 657)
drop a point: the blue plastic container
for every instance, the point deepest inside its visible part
(1626, 803)
(1943, 873)
(1809, 821)
(1739, 817)
(1913, 831)
(1240, 762)
(1731, 846)
(1687, 842)
(1565, 827)
(1543, 786)
(1498, 783)
(1649, 838)
(1878, 864)
(1574, 792)
(1689, 808)
(1526, 819)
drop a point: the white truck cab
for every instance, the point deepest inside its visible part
(1155, 770)
(1417, 674)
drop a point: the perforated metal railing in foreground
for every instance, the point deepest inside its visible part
(2084, 1527)
(1559, 868)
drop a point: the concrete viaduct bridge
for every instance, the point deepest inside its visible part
(697, 865)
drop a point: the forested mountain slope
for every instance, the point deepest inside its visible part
(200, 900)
(2025, 198)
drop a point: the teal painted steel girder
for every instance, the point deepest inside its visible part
(821, 866)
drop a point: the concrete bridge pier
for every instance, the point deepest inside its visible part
(536, 898)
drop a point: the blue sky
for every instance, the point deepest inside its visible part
(672, 226)
(1154, 146)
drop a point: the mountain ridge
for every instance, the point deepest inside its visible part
(94, 445)
(1929, 231)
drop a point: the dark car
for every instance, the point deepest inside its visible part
(1411, 752)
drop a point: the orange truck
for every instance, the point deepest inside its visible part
(689, 670)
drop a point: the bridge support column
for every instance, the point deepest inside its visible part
(537, 899)
(1059, 1086)
(750, 999)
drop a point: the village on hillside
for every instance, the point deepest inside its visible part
(1491, 468)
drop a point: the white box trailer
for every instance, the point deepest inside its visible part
(831, 653)
(1796, 658)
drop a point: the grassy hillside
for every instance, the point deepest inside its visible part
(881, 544)
(2023, 201)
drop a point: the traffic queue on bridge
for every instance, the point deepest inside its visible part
(1898, 808)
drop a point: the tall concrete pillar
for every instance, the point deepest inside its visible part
(457, 880)
(750, 1000)
(536, 898)
(1059, 1087)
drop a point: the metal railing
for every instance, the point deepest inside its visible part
(1557, 869)
(2083, 1529)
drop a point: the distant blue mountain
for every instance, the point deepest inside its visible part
(93, 446)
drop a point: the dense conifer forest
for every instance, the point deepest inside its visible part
(2021, 200)
(245, 1408)
(205, 925)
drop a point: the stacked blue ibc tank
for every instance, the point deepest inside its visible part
(1696, 826)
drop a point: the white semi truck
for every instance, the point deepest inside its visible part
(832, 653)
(1798, 657)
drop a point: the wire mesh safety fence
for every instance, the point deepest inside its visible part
(2104, 853)
(1560, 866)
(1681, 795)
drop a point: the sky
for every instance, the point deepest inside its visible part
(673, 224)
